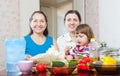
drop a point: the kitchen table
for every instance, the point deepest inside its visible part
(47, 73)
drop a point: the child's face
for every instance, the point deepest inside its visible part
(81, 39)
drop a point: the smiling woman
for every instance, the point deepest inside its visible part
(38, 41)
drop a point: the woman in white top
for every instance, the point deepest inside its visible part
(65, 42)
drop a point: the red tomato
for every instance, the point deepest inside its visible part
(40, 67)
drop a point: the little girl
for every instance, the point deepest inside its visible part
(83, 34)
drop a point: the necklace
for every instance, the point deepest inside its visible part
(38, 39)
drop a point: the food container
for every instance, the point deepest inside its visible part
(113, 52)
(59, 67)
(61, 70)
(106, 69)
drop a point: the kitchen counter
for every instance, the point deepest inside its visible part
(4, 73)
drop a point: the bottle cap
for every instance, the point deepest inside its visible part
(92, 39)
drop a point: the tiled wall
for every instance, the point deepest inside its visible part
(92, 15)
(9, 25)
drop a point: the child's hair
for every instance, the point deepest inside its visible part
(85, 29)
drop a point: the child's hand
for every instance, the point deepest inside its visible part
(76, 57)
(67, 50)
(69, 57)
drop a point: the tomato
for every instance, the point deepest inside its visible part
(40, 67)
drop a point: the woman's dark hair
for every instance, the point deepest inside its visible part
(73, 11)
(31, 18)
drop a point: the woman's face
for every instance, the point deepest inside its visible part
(71, 22)
(81, 39)
(38, 23)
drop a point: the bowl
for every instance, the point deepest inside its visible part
(106, 69)
(62, 67)
(25, 66)
(61, 70)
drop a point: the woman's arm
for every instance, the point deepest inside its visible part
(55, 45)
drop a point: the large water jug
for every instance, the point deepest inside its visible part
(15, 52)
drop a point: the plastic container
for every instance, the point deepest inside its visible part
(15, 52)
(105, 50)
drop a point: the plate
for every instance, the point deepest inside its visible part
(106, 69)
(61, 70)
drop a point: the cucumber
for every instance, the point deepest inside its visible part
(57, 64)
(72, 63)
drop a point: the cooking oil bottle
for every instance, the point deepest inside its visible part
(94, 53)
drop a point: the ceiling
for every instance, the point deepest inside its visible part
(55, 3)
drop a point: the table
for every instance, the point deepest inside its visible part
(4, 73)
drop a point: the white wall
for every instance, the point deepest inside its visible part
(109, 11)
(79, 5)
(61, 28)
(27, 7)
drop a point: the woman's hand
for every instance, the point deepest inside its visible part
(28, 57)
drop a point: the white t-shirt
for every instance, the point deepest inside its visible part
(64, 41)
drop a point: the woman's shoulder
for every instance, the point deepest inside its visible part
(49, 37)
(27, 37)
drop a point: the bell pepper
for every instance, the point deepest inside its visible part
(84, 63)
